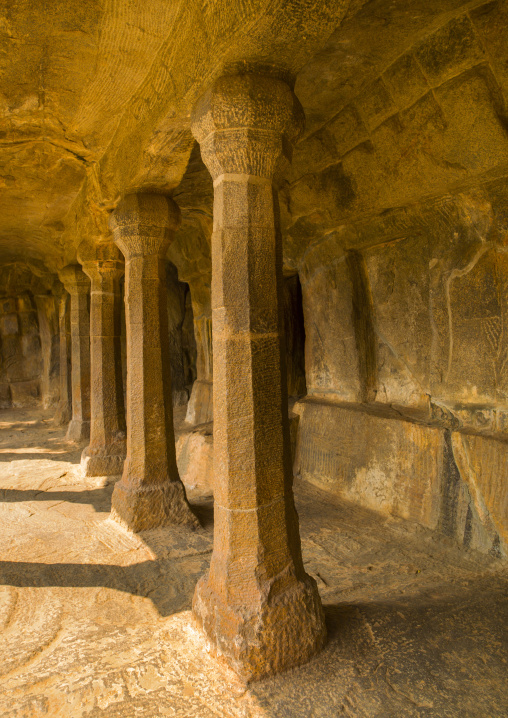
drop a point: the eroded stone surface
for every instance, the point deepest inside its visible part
(450, 481)
(394, 216)
(95, 621)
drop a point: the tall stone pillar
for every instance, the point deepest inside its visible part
(105, 455)
(257, 605)
(150, 492)
(47, 314)
(63, 412)
(78, 286)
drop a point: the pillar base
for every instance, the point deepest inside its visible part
(149, 507)
(78, 430)
(62, 414)
(102, 461)
(278, 633)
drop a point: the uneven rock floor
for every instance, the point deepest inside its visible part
(95, 621)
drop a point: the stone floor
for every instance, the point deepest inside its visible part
(95, 621)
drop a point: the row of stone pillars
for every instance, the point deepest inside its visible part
(258, 607)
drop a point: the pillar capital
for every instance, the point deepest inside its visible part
(74, 279)
(58, 290)
(143, 224)
(102, 261)
(245, 124)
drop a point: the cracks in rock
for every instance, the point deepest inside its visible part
(454, 274)
(443, 163)
(11, 609)
(45, 140)
(363, 311)
(409, 698)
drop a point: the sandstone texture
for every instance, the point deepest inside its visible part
(95, 621)
(245, 245)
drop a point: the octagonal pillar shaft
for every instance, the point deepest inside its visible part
(63, 412)
(150, 492)
(257, 605)
(78, 286)
(105, 454)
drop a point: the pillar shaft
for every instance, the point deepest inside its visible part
(63, 414)
(257, 605)
(105, 454)
(150, 493)
(78, 286)
(47, 313)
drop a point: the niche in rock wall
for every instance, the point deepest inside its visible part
(294, 330)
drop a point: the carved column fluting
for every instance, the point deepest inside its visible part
(150, 492)
(105, 455)
(63, 412)
(257, 605)
(78, 285)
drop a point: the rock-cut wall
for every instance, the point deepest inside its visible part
(407, 367)
(29, 338)
(20, 351)
(396, 219)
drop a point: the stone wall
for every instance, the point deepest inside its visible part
(21, 361)
(450, 481)
(396, 218)
(29, 336)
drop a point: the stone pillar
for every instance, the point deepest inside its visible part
(47, 314)
(105, 455)
(63, 412)
(150, 492)
(257, 605)
(78, 286)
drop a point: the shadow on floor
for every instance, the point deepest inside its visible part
(33, 435)
(443, 653)
(181, 555)
(71, 457)
(422, 657)
(99, 498)
(168, 582)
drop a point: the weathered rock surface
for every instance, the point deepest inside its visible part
(95, 621)
(450, 481)
(394, 240)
